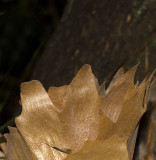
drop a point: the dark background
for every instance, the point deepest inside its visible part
(25, 27)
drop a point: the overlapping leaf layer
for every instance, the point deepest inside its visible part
(79, 121)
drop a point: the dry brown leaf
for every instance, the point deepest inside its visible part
(16, 147)
(131, 143)
(69, 128)
(132, 110)
(2, 155)
(3, 148)
(78, 121)
(102, 91)
(59, 96)
(119, 73)
(114, 148)
(106, 127)
(112, 102)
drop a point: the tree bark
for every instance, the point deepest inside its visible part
(106, 34)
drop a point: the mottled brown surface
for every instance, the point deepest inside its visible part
(106, 34)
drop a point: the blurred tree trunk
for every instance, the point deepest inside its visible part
(106, 34)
